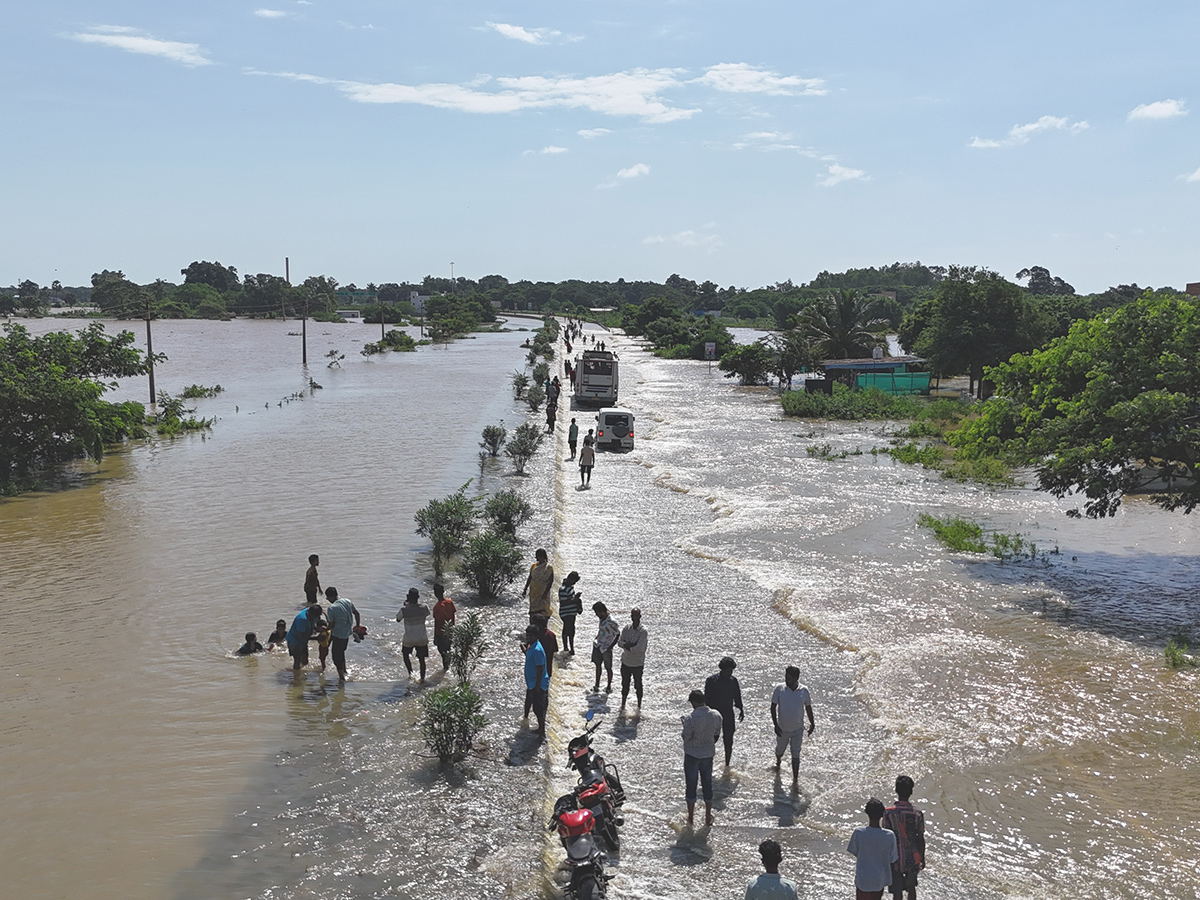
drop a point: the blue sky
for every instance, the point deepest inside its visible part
(746, 143)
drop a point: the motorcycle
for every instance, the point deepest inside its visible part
(599, 788)
(584, 858)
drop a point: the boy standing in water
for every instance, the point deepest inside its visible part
(312, 583)
(413, 614)
(908, 824)
(572, 438)
(875, 849)
(443, 618)
(722, 692)
(570, 605)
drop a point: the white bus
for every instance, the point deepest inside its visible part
(596, 378)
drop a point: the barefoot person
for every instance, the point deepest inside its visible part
(908, 824)
(312, 582)
(771, 885)
(723, 693)
(340, 614)
(875, 849)
(443, 617)
(587, 459)
(303, 630)
(602, 647)
(416, 636)
(700, 732)
(540, 586)
(789, 703)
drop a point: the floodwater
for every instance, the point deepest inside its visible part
(1054, 753)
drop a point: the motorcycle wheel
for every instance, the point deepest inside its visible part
(610, 835)
(589, 887)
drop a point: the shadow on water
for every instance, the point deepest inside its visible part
(1142, 599)
(525, 746)
(692, 847)
(787, 805)
(626, 726)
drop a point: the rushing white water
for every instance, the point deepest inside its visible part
(1054, 754)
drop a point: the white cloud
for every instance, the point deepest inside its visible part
(634, 171)
(546, 150)
(1020, 134)
(633, 93)
(774, 141)
(838, 173)
(743, 78)
(350, 27)
(527, 35)
(1195, 176)
(270, 13)
(691, 238)
(590, 133)
(1159, 109)
(133, 40)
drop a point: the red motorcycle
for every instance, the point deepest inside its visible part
(584, 858)
(599, 788)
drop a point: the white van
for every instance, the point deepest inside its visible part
(614, 428)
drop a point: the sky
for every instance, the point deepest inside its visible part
(746, 143)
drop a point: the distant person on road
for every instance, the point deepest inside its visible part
(789, 704)
(540, 586)
(251, 646)
(572, 439)
(875, 849)
(770, 885)
(602, 647)
(723, 693)
(700, 732)
(278, 636)
(633, 656)
(908, 824)
(443, 617)
(587, 459)
(312, 582)
(302, 631)
(341, 614)
(570, 605)
(537, 678)
(416, 637)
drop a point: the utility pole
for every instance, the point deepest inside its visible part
(304, 337)
(148, 312)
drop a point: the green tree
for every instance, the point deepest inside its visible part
(453, 716)
(1042, 283)
(448, 523)
(31, 298)
(490, 562)
(845, 324)
(1111, 408)
(507, 511)
(220, 278)
(751, 363)
(50, 406)
(523, 444)
(494, 437)
(978, 321)
(113, 293)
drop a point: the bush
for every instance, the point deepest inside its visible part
(494, 437)
(1177, 655)
(453, 717)
(535, 397)
(524, 444)
(447, 523)
(467, 646)
(540, 373)
(173, 417)
(490, 563)
(955, 533)
(849, 405)
(520, 381)
(507, 511)
(197, 391)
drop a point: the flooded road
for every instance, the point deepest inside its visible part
(1053, 752)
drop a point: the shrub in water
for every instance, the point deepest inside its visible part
(490, 563)
(494, 437)
(535, 396)
(524, 444)
(447, 523)
(507, 511)
(520, 381)
(453, 717)
(467, 646)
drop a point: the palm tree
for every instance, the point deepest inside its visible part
(844, 324)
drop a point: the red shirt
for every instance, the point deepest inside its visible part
(443, 615)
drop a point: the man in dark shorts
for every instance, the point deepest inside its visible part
(723, 693)
(302, 631)
(312, 583)
(572, 438)
(340, 613)
(602, 647)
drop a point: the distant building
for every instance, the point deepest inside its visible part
(1194, 288)
(418, 300)
(889, 374)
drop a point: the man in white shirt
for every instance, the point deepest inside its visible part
(875, 849)
(700, 732)
(789, 704)
(633, 656)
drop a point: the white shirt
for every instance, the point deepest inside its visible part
(633, 645)
(790, 706)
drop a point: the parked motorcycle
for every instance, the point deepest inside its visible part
(584, 858)
(599, 788)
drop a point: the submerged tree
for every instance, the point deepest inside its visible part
(490, 563)
(523, 445)
(845, 324)
(447, 523)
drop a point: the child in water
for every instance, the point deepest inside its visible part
(323, 636)
(278, 637)
(251, 646)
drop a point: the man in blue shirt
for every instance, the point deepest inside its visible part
(771, 885)
(301, 633)
(537, 679)
(340, 613)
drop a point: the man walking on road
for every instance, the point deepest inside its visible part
(537, 679)
(908, 824)
(572, 438)
(723, 693)
(633, 656)
(342, 617)
(602, 647)
(789, 703)
(700, 732)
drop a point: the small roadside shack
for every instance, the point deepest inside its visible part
(889, 374)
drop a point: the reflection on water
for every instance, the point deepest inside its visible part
(1052, 750)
